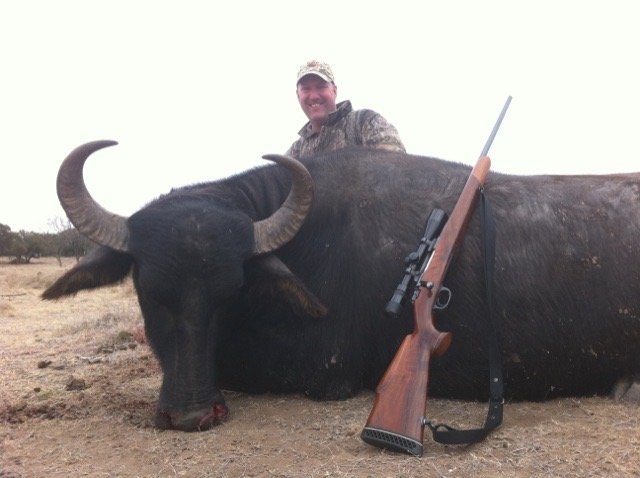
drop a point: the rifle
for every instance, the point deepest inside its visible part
(397, 419)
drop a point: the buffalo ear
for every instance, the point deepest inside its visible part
(102, 266)
(269, 281)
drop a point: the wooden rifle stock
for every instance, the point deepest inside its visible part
(397, 419)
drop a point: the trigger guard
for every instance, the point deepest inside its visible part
(441, 303)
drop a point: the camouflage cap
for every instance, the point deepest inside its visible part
(317, 68)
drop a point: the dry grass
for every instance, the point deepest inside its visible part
(102, 427)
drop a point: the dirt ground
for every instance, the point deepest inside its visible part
(77, 397)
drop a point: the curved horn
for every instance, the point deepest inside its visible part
(85, 214)
(279, 228)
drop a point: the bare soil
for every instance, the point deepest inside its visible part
(78, 392)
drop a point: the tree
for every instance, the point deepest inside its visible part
(6, 240)
(28, 245)
(67, 241)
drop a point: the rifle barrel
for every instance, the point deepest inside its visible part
(485, 150)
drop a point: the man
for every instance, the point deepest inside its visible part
(333, 126)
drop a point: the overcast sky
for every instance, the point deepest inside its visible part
(199, 90)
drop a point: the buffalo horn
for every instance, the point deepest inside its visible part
(279, 228)
(89, 218)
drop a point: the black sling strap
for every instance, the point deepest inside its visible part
(449, 435)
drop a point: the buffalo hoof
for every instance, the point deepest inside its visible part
(627, 390)
(196, 421)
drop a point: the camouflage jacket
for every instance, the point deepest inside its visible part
(347, 127)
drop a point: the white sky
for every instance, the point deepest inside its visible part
(199, 90)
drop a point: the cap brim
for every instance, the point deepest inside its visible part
(319, 75)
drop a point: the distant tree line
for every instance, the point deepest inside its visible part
(22, 246)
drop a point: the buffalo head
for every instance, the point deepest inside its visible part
(188, 252)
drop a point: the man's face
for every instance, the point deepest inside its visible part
(317, 98)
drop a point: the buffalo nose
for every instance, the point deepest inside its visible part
(199, 420)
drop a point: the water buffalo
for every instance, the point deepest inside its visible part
(240, 291)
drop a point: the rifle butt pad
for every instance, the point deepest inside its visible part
(391, 441)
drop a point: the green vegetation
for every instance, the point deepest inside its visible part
(23, 246)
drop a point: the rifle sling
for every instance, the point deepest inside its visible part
(449, 435)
